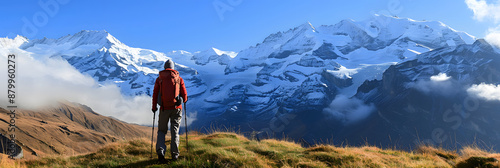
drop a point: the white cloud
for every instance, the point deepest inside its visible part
(493, 36)
(484, 91)
(349, 110)
(483, 12)
(440, 77)
(40, 83)
(440, 84)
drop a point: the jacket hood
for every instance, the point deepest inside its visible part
(168, 72)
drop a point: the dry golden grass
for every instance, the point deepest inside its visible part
(223, 149)
(469, 156)
(6, 162)
(474, 156)
(369, 156)
(470, 151)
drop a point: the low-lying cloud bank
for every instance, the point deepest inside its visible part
(42, 82)
(348, 110)
(440, 84)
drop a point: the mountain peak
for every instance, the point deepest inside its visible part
(307, 26)
(312, 27)
(102, 33)
(101, 37)
(231, 54)
(98, 39)
(217, 51)
(16, 42)
(214, 51)
(483, 44)
(392, 27)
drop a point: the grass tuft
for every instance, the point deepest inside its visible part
(476, 161)
(6, 162)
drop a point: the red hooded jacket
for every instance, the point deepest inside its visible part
(168, 92)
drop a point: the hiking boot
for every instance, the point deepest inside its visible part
(161, 157)
(175, 158)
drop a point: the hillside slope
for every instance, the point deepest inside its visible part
(232, 150)
(68, 129)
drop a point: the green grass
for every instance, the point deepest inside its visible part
(222, 149)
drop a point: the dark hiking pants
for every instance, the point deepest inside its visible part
(175, 117)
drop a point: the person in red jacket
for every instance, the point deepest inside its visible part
(169, 92)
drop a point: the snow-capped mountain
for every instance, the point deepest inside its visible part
(305, 68)
(104, 57)
(307, 82)
(435, 89)
(213, 55)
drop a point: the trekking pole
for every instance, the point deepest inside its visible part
(152, 133)
(185, 124)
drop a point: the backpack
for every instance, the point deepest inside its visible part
(168, 95)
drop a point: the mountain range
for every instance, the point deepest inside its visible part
(383, 81)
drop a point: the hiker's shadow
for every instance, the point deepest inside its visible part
(149, 162)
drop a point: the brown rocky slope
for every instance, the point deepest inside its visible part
(67, 129)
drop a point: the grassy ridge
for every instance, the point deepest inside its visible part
(223, 149)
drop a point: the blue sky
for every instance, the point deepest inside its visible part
(166, 25)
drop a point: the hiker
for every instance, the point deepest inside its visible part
(169, 92)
